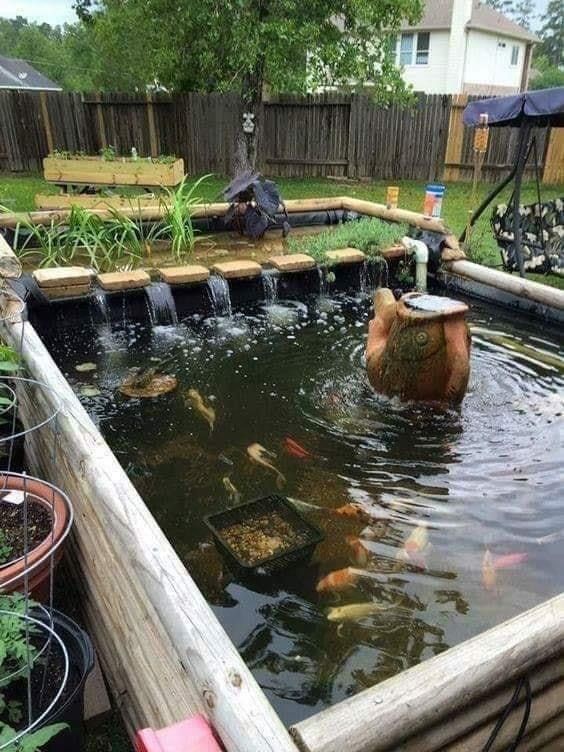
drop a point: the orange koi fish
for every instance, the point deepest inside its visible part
(489, 577)
(507, 561)
(415, 548)
(351, 510)
(340, 579)
(360, 554)
(296, 450)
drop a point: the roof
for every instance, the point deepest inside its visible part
(543, 107)
(19, 74)
(438, 13)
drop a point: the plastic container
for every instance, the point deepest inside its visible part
(434, 193)
(192, 735)
(71, 710)
(392, 196)
(220, 521)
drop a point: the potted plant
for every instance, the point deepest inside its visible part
(38, 649)
(47, 512)
(111, 169)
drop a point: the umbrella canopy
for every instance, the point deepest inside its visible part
(542, 107)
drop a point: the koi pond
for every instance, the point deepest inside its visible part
(445, 522)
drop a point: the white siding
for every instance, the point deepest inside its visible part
(431, 78)
(488, 61)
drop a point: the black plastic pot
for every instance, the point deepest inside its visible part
(71, 709)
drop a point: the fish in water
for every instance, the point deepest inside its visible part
(294, 449)
(508, 561)
(351, 510)
(357, 611)
(416, 547)
(550, 538)
(257, 454)
(206, 412)
(232, 492)
(304, 506)
(359, 551)
(340, 579)
(489, 577)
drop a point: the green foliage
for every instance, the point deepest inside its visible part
(108, 153)
(552, 34)
(546, 75)
(520, 11)
(17, 657)
(176, 224)
(371, 236)
(5, 548)
(404, 272)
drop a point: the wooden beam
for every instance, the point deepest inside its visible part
(416, 219)
(330, 162)
(153, 627)
(455, 137)
(46, 120)
(554, 158)
(435, 691)
(523, 288)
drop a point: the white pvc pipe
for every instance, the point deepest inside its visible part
(421, 253)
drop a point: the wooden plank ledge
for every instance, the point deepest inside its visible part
(237, 269)
(112, 281)
(63, 276)
(346, 256)
(292, 262)
(183, 275)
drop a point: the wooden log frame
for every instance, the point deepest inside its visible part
(166, 655)
(97, 171)
(55, 202)
(155, 212)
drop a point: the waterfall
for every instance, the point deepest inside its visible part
(100, 305)
(323, 283)
(270, 286)
(218, 289)
(363, 278)
(161, 305)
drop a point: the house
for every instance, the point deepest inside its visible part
(19, 74)
(465, 47)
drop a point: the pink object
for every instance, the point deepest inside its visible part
(192, 735)
(509, 560)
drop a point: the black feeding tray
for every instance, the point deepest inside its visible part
(259, 524)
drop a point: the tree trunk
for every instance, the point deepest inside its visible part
(247, 144)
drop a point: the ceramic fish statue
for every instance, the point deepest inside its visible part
(357, 611)
(207, 413)
(489, 576)
(232, 492)
(294, 449)
(508, 561)
(359, 551)
(340, 579)
(257, 454)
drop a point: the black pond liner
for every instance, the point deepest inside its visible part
(71, 710)
(246, 512)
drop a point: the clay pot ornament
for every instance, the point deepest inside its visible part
(418, 348)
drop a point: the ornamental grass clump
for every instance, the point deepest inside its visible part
(369, 235)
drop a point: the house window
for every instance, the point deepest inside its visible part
(514, 54)
(406, 49)
(413, 49)
(422, 56)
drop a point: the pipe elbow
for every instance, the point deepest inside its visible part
(417, 248)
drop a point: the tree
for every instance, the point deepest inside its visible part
(552, 33)
(246, 45)
(545, 75)
(523, 13)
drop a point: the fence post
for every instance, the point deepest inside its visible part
(46, 121)
(453, 156)
(554, 159)
(152, 129)
(101, 127)
(351, 145)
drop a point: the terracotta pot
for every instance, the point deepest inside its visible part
(419, 347)
(38, 564)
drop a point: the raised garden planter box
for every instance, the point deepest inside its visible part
(121, 171)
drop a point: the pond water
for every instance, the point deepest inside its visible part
(484, 477)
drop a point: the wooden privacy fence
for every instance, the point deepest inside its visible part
(313, 136)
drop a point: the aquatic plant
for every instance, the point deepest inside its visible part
(176, 224)
(369, 235)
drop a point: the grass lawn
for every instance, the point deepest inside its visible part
(17, 193)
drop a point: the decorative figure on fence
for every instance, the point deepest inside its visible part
(418, 347)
